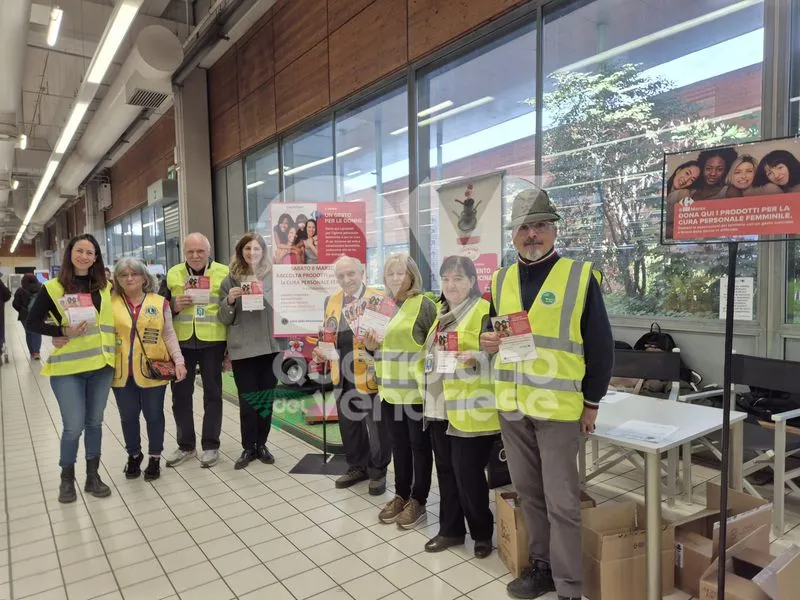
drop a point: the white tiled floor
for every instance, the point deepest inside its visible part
(215, 534)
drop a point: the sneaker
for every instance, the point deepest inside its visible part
(377, 486)
(392, 510)
(133, 468)
(535, 581)
(36, 356)
(209, 458)
(244, 460)
(413, 514)
(153, 470)
(264, 455)
(353, 476)
(179, 456)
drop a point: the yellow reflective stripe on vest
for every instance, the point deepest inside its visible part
(207, 327)
(399, 360)
(550, 386)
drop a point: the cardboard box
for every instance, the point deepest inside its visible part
(614, 553)
(512, 537)
(697, 537)
(754, 575)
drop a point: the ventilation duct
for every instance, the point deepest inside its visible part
(14, 16)
(143, 82)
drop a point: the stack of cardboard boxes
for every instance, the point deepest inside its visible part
(614, 549)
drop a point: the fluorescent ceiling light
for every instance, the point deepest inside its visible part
(444, 115)
(353, 173)
(425, 112)
(435, 108)
(14, 184)
(54, 26)
(121, 19)
(274, 172)
(659, 35)
(321, 161)
(22, 141)
(255, 184)
(44, 183)
(71, 127)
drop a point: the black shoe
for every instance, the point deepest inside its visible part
(353, 476)
(377, 486)
(440, 542)
(153, 470)
(66, 491)
(94, 485)
(535, 581)
(568, 598)
(245, 459)
(265, 456)
(483, 548)
(133, 468)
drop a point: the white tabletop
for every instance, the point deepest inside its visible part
(692, 421)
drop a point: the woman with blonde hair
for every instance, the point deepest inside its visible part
(398, 366)
(252, 347)
(143, 325)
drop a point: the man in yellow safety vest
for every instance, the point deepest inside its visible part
(546, 403)
(192, 288)
(365, 436)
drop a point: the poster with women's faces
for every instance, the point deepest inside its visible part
(307, 237)
(736, 192)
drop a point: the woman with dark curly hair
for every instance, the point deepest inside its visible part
(714, 166)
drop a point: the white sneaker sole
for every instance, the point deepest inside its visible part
(175, 463)
(420, 519)
(208, 464)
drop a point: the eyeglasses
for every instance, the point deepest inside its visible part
(538, 227)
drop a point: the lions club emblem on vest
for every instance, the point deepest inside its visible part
(151, 311)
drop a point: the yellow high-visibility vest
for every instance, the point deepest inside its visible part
(399, 360)
(548, 387)
(469, 392)
(201, 318)
(89, 352)
(363, 365)
(150, 325)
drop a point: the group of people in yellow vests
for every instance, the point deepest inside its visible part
(431, 386)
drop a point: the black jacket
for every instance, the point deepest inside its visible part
(22, 298)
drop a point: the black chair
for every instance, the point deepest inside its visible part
(636, 364)
(771, 441)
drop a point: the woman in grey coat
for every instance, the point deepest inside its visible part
(245, 306)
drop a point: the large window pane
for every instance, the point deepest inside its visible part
(372, 166)
(308, 166)
(621, 88)
(136, 234)
(475, 116)
(793, 248)
(148, 235)
(261, 185)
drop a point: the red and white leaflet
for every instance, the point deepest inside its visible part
(516, 342)
(446, 361)
(327, 344)
(79, 308)
(199, 288)
(253, 297)
(377, 318)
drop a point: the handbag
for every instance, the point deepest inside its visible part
(160, 370)
(497, 468)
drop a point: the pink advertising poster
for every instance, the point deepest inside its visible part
(307, 237)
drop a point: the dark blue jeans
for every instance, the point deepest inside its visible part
(82, 400)
(133, 400)
(34, 341)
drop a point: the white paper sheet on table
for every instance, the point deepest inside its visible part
(612, 397)
(643, 431)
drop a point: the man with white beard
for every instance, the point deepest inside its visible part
(548, 402)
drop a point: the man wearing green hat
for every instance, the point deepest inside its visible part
(548, 402)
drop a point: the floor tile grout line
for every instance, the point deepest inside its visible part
(16, 355)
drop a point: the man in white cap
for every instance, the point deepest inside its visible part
(547, 403)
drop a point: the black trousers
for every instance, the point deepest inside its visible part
(364, 432)
(210, 360)
(464, 491)
(411, 450)
(255, 374)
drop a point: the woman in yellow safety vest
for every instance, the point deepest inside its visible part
(459, 410)
(143, 322)
(398, 367)
(81, 366)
